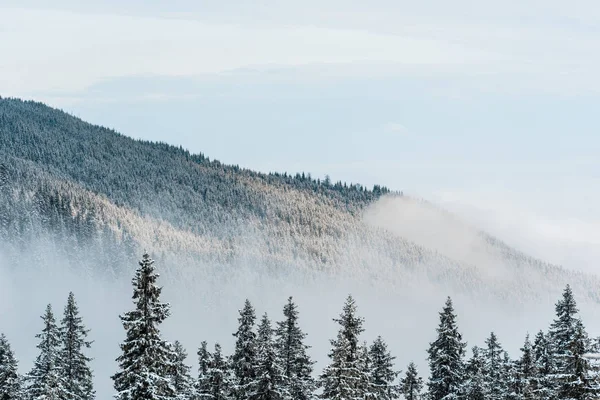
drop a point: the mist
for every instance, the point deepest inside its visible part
(205, 297)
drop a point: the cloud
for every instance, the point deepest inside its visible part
(61, 50)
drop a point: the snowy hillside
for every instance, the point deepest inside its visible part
(70, 187)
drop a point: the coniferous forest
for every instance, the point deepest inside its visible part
(271, 360)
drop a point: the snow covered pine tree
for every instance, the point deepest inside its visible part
(412, 384)
(219, 378)
(75, 369)
(475, 386)
(446, 358)
(243, 361)
(341, 378)
(146, 360)
(270, 382)
(381, 371)
(203, 384)
(10, 381)
(292, 352)
(180, 374)
(569, 342)
(45, 379)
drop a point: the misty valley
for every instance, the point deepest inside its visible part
(273, 361)
(439, 309)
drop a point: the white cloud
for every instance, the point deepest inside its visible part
(491, 47)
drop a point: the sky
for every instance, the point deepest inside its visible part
(488, 108)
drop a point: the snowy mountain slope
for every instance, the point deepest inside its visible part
(74, 187)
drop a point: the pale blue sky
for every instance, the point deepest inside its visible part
(481, 104)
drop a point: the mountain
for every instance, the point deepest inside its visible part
(70, 189)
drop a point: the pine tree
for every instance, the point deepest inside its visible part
(493, 354)
(10, 381)
(526, 371)
(291, 350)
(412, 384)
(243, 361)
(180, 374)
(446, 358)
(146, 360)
(203, 384)
(75, 365)
(568, 343)
(579, 384)
(45, 380)
(508, 379)
(382, 373)
(542, 382)
(340, 379)
(270, 378)
(364, 383)
(475, 385)
(218, 376)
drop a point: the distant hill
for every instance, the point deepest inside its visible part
(70, 189)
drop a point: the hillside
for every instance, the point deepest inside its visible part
(70, 189)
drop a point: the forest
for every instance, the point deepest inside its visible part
(271, 360)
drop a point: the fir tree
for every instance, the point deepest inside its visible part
(45, 379)
(568, 342)
(270, 378)
(493, 353)
(218, 376)
(291, 350)
(75, 364)
(203, 385)
(243, 361)
(542, 383)
(412, 384)
(10, 381)
(381, 371)
(180, 374)
(446, 358)
(526, 371)
(146, 360)
(341, 379)
(475, 385)
(508, 379)
(364, 384)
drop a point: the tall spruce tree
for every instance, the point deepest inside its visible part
(218, 375)
(412, 384)
(146, 361)
(543, 386)
(180, 374)
(75, 364)
(508, 378)
(293, 353)
(526, 371)
(270, 377)
(341, 379)
(475, 383)
(10, 381)
(243, 360)
(382, 372)
(493, 353)
(203, 384)
(446, 358)
(568, 341)
(364, 383)
(45, 379)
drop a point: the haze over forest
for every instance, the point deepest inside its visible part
(80, 204)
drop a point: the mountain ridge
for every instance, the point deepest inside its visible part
(85, 185)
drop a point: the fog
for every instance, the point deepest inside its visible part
(205, 303)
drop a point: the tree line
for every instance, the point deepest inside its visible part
(272, 361)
